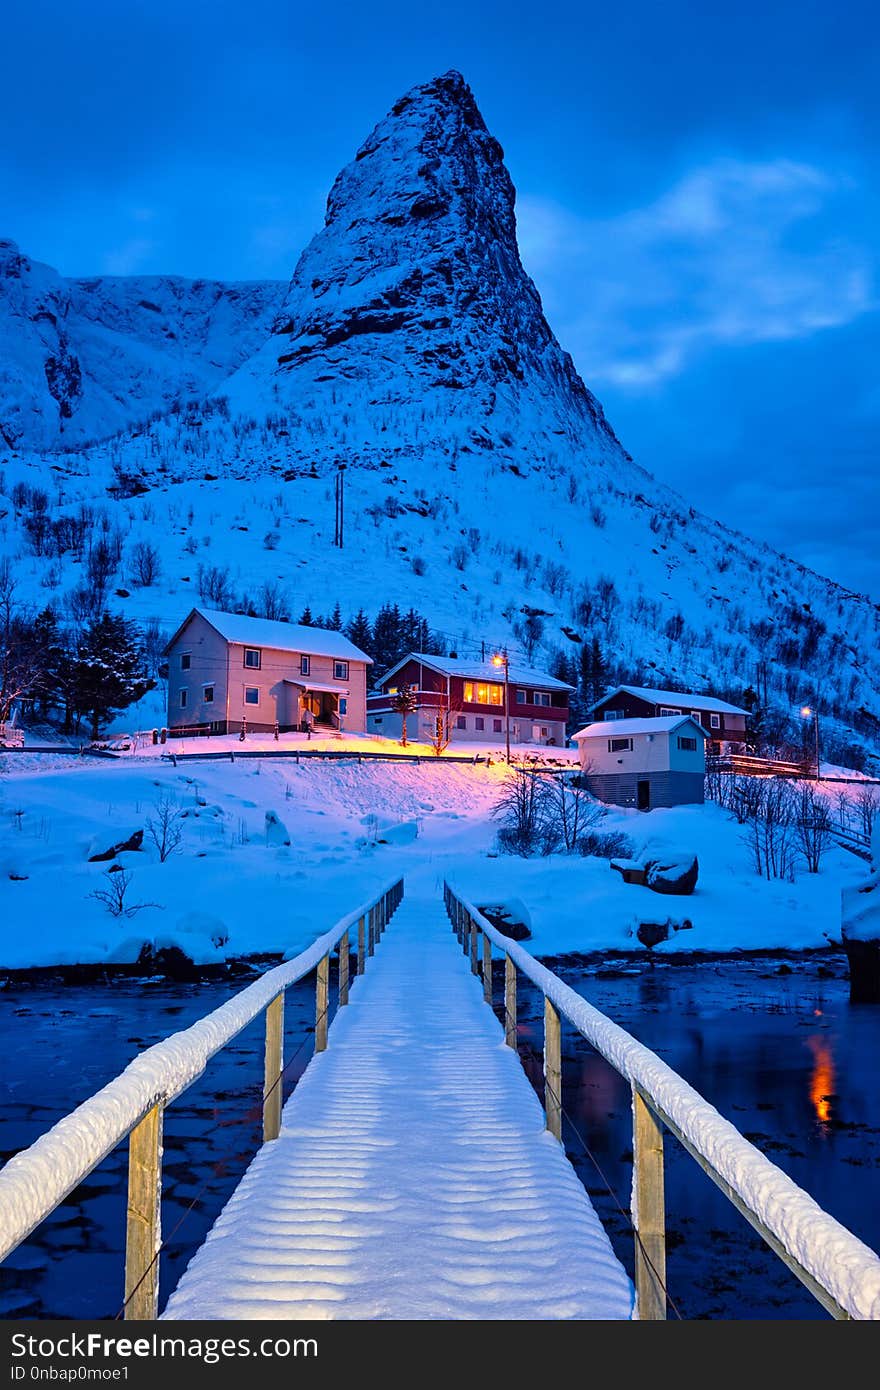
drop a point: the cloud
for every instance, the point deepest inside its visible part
(129, 258)
(735, 253)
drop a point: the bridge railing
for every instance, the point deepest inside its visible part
(34, 1182)
(837, 1268)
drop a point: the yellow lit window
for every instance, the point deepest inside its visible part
(483, 694)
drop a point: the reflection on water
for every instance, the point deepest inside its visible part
(782, 1055)
(822, 1078)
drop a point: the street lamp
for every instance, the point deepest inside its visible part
(808, 712)
(500, 659)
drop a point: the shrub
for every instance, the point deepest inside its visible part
(606, 844)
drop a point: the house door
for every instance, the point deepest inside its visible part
(643, 796)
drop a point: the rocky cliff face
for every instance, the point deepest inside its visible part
(411, 305)
(80, 359)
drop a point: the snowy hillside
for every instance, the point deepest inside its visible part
(81, 359)
(483, 485)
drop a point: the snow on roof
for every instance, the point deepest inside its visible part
(684, 699)
(613, 728)
(481, 670)
(284, 637)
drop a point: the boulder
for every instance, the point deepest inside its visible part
(133, 843)
(677, 876)
(276, 831)
(510, 918)
(651, 933)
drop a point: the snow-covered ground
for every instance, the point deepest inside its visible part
(234, 888)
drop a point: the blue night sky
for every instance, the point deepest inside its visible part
(697, 199)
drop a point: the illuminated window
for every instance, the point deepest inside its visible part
(482, 693)
(208, 694)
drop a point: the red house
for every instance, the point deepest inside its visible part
(473, 694)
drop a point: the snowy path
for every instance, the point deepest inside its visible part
(413, 1177)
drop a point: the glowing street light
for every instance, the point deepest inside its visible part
(808, 712)
(500, 659)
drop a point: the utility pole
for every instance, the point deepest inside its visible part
(339, 524)
(807, 712)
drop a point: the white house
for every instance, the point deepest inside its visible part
(226, 668)
(644, 762)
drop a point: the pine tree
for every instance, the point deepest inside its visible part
(388, 643)
(334, 622)
(108, 670)
(404, 702)
(359, 631)
(305, 617)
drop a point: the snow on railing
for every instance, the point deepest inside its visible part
(34, 1182)
(839, 1270)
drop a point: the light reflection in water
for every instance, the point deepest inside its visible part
(821, 1078)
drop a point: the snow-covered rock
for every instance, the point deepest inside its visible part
(276, 831)
(80, 359)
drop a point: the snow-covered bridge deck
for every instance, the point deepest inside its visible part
(413, 1176)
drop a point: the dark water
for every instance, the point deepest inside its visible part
(784, 1056)
(58, 1046)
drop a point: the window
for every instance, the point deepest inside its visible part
(544, 732)
(613, 714)
(340, 670)
(687, 745)
(496, 726)
(208, 694)
(541, 697)
(461, 722)
(343, 705)
(183, 699)
(251, 695)
(714, 721)
(522, 697)
(185, 660)
(665, 712)
(252, 658)
(305, 665)
(620, 745)
(481, 693)
(479, 724)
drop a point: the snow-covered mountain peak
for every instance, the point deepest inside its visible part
(413, 297)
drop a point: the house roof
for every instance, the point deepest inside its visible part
(613, 728)
(673, 697)
(480, 671)
(284, 637)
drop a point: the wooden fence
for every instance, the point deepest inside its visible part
(840, 1271)
(34, 1182)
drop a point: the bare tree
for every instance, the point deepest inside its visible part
(144, 564)
(21, 664)
(441, 729)
(813, 824)
(867, 806)
(115, 896)
(570, 810)
(165, 830)
(522, 808)
(771, 831)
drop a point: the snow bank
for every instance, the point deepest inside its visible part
(841, 1263)
(33, 1182)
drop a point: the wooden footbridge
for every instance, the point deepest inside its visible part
(413, 1173)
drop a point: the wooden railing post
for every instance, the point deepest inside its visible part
(322, 1003)
(144, 1217)
(552, 1070)
(649, 1214)
(371, 931)
(473, 944)
(509, 1001)
(344, 949)
(487, 969)
(361, 946)
(273, 1067)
